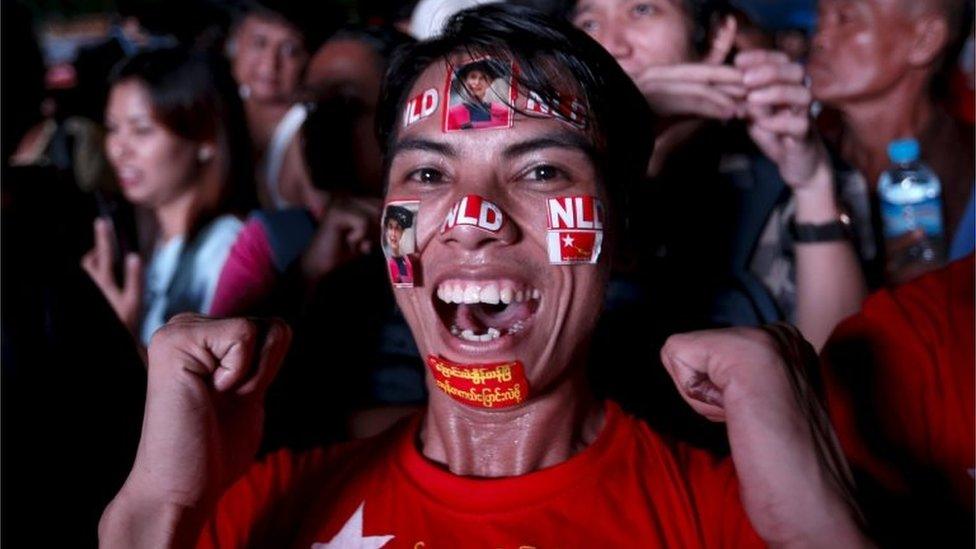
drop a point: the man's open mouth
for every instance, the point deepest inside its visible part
(485, 310)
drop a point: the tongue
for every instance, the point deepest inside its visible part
(479, 317)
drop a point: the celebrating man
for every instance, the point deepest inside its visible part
(513, 449)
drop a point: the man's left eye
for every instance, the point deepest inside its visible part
(544, 173)
(427, 176)
(643, 9)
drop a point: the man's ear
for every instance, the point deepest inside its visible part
(929, 38)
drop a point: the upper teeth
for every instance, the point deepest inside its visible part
(493, 293)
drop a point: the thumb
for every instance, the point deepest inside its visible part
(132, 283)
(687, 361)
(722, 41)
(103, 248)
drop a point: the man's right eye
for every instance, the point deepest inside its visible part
(427, 176)
(588, 25)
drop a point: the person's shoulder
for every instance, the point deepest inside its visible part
(215, 238)
(928, 299)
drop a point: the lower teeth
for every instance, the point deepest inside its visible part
(468, 335)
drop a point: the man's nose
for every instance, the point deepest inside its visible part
(475, 222)
(615, 41)
(267, 62)
(116, 148)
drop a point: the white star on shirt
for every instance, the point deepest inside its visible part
(567, 241)
(351, 535)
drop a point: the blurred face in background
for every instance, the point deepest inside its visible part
(860, 49)
(353, 70)
(268, 59)
(638, 33)
(347, 67)
(153, 165)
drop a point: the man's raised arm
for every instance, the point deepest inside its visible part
(203, 422)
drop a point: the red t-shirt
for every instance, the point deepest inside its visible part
(630, 488)
(900, 383)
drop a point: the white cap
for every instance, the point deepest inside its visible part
(429, 17)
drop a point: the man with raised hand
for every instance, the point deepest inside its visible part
(513, 450)
(744, 214)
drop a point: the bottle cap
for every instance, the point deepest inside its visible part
(901, 151)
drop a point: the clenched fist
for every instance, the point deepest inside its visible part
(793, 480)
(204, 416)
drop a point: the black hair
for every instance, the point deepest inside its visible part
(483, 66)
(194, 96)
(401, 215)
(548, 52)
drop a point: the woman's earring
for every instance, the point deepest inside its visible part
(205, 153)
(244, 91)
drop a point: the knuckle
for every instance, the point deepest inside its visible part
(244, 329)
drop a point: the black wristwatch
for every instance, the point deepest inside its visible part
(821, 232)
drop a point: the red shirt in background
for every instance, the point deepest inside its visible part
(630, 488)
(900, 381)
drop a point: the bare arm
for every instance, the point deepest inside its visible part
(829, 281)
(204, 417)
(793, 480)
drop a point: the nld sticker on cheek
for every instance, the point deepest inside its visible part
(399, 241)
(475, 211)
(498, 385)
(575, 233)
(420, 107)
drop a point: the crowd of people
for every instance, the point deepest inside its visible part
(553, 273)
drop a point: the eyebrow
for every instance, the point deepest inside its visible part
(425, 145)
(558, 140)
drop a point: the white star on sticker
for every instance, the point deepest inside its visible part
(567, 241)
(351, 535)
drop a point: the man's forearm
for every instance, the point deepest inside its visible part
(829, 282)
(129, 523)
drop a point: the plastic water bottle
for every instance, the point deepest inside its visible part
(911, 211)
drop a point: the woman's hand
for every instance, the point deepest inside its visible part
(706, 89)
(126, 301)
(777, 106)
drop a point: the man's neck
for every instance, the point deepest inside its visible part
(871, 124)
(545, 431)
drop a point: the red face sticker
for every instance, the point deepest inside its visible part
(420, 107)
(476, 211)
(499, 385)
(575, 232)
